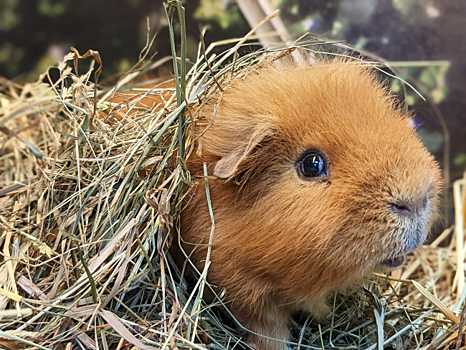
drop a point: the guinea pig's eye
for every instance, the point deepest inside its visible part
(311, 164)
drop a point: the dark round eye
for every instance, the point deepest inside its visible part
(311, 164)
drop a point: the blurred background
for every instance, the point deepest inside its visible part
(424, 40)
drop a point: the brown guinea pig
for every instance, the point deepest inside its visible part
(319, 181)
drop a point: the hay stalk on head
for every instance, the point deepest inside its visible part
(90, 194)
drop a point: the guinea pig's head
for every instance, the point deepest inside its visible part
(324, 181)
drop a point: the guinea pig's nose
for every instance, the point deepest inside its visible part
(407, 207)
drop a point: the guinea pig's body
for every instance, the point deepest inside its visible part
(319, 181)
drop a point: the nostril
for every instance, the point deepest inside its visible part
(402, 208)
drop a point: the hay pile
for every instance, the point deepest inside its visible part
(90, 193)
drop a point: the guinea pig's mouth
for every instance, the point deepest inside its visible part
(394, 262)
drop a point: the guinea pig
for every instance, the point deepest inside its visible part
(317, 181)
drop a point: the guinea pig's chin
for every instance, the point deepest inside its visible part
(393, 263)
(409, 240)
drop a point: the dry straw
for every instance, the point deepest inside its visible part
(90, 194)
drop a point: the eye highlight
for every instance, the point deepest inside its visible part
(311, 164)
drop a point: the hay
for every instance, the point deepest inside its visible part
(90, 193)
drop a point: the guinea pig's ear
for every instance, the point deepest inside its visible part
(229, 165)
